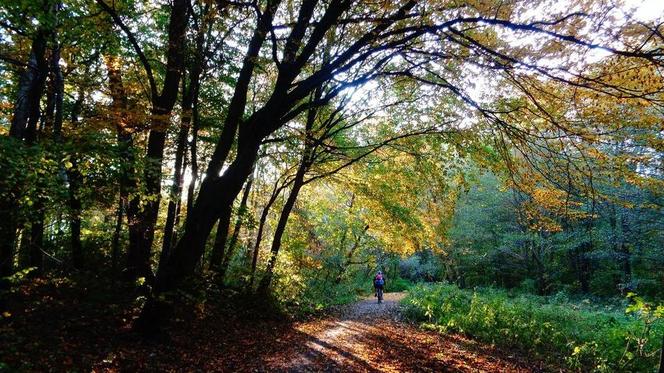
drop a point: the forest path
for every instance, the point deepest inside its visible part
(371, 337)
(55, 326)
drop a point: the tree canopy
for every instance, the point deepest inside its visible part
(290, 147)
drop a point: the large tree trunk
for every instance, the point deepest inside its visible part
(262, 123)
(161, 110)
(23, 127)
(31, 86)
(220, 255)
(139, 260)
(53, 117)
(35, 256)
(189, 114)
(191, 245)
(218, 191)
(202, 217)
(210, 206)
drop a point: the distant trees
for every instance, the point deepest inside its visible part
(491, 245)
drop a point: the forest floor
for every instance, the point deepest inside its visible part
(51, 325)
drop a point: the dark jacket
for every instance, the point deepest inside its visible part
(376, 279)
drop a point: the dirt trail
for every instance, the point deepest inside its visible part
(57, 328)
(367, 336)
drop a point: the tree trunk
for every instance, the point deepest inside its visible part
(218, 192)
(176, 187)
(236, 231)
(75, 183)
(220, 239)
(35, 257)
(349, 257)
(31, 86)
(159, 122)
(624, 251)
(190, 247)
(259, 235)
(58, 92)
(195, 71)
(7, 237)
(281, 225)
(24, 246)
(54, 117)
(126, 153)
(204, 213)
(194, 159)
(115, 243)
(584, 267)
(139, 262)
(23, 127)
(178, 206)
(75, 207)
(298, 182)
(209, 205)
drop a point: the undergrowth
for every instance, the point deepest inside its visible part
(582, 336)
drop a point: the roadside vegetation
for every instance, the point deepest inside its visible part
(579, 334)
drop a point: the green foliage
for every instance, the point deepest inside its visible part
(422, 266)
(572, 203)
(398, 284)
(302, 293)
(491, 243)
(582, 335)
(20, 276)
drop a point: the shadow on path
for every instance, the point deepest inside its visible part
(56, 326)
(371, 337)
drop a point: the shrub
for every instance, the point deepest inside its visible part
(422, 266)
(398, 284)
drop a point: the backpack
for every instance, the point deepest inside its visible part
(379, 281)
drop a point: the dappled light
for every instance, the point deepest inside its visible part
(332, 185)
